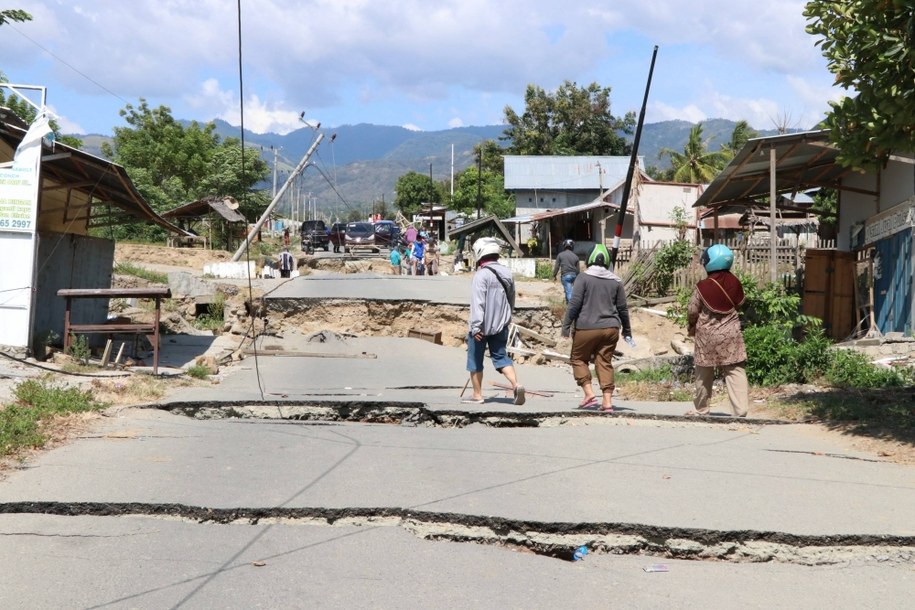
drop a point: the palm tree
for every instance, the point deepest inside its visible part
(695, 165)
(741, 134)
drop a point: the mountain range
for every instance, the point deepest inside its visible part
(358, 165)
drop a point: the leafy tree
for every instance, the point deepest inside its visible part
(171, 164)
(870, 47)
(413, 190)
(695, 165)
(10, 15)
(572, 120)
(491, 187)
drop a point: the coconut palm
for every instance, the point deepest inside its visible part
(742, 132)
(695, 165)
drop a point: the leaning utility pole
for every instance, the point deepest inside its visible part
(633, 162)
(292, 176)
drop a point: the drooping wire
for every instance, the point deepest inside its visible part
(244, 195)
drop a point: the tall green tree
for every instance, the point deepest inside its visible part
(870, 47)
(171, 164)
(483, 184)
(572, 120)
(413, 190)
(696, 164)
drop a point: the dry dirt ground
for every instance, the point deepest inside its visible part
(653, 332)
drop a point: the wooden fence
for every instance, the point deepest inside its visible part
(750, 257)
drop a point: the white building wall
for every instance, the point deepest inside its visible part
(895, 183)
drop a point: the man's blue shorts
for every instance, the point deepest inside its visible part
(476, 350)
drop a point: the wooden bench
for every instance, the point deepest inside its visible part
(150, 331)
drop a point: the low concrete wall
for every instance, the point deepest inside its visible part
(525, 267)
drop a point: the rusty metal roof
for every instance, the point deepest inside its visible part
(102, 192)
(802, 161)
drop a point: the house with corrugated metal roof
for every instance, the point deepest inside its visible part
(579, 197)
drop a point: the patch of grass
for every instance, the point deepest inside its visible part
(198, 371)
(79, 349)
(888, 408)
(660, 384)
(38, 401)
(136, 389)
(129, 268)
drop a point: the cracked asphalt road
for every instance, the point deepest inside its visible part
(180, 506)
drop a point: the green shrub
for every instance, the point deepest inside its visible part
(79, 348)
(38, 400)
(774, 357)
(672, 256)
(198, 371)
(850, 369)
(543, 270)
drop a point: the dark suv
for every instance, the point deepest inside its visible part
(387, 233)
(314, 236)
(338, 235)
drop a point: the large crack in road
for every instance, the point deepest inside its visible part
(419, 414)
(552, 539)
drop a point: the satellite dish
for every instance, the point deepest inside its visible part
(230, 203)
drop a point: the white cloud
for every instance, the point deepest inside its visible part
(455, 122)
(659, 111)
(411, 127)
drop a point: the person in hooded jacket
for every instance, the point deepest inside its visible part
(713, 321)
(600, 314)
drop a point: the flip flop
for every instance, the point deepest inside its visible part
(472, 401)
(593, 403)
(694, 413)
(607, 410)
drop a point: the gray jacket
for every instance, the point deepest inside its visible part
(566, 262)
(598, 301)
(490, 306)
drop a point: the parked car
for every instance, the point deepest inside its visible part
(387, 233)
(337, 235)
(360, 236)
(314, 236)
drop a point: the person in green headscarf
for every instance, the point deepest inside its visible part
(599, 312)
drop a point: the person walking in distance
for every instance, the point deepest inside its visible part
(713, 320)
(395, 260)
(567, 266)
(600, 314)
(492, 300)
(287, 263)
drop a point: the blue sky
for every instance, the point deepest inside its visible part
(414, 63)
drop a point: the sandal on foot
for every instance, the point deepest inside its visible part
(694, 413)
(608, 409)
(592, 403)
(472, 401)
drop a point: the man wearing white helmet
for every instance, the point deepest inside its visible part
(492, 299)
(713, 321)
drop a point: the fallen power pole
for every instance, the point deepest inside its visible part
(298, 170)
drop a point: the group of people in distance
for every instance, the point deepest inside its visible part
(418, 257)
(597, 315)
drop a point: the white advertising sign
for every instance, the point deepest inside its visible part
(892, 221)
(18, 219)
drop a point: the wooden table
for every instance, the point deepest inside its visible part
(151, 331)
